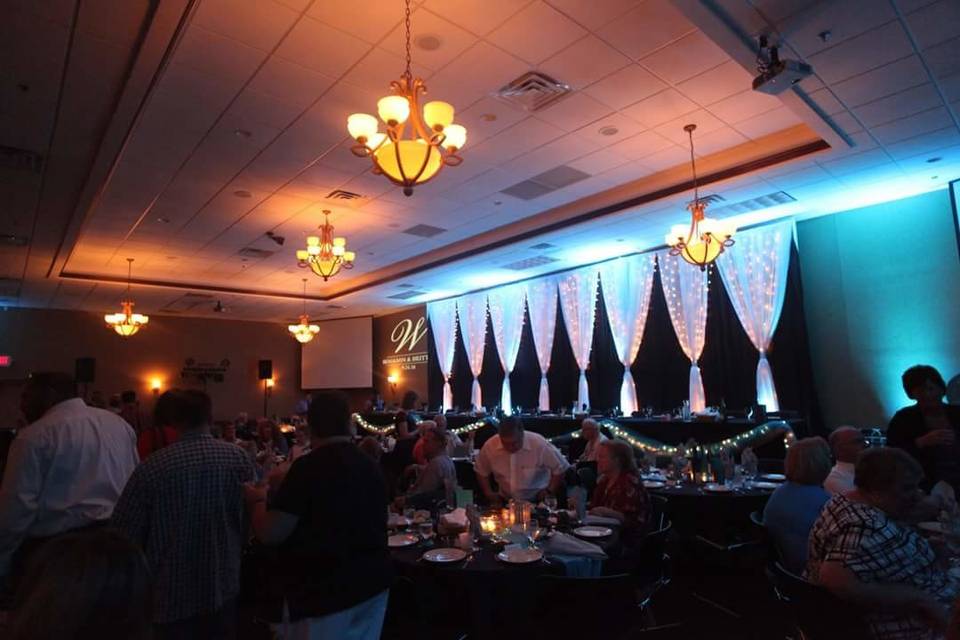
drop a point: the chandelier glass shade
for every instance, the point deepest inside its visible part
(704, 239)
(304, 332)
(126, 323)
(325, 254)
(417, 142)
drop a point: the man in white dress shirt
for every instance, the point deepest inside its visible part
(846, 443)
(65, 471)
(525, 465)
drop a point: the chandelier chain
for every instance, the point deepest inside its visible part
(408, 74)
(129, 274)
(693, 165)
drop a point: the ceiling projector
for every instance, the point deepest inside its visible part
(776, 76)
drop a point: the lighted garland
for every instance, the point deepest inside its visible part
(474, 426)
(363, 424)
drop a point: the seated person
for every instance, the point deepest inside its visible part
(440, 422)
(846, 443)
(620, 494)
(433, 478)
(525, 465)
(928, 429)
(860, 551)
(590, 432)
(370, 446)
(796, 504)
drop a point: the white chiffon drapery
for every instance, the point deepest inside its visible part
(754, 273)
(626, 285)
(578, 300)
(542, 308)
(506, 316)
(472, 311)
(685, 288)
(443, 324)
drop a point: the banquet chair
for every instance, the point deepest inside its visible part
(651, 569)
(659, 505)
(818, 614)
(582, 607)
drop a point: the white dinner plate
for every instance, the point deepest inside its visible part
(520, 556)
(445, 555)
(592, 531)
(765, 485)
(396, 521)
(402, 540)
(933, 527)
(654, 484)
(717, 488)
(774, 477)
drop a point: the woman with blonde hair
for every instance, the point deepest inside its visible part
(620, 494)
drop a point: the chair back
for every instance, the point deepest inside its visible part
(651, 564)
(819, 613)
(659, 505)
(562, 602)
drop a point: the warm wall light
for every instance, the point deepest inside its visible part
(155, 385)
(269, 382)
(393, 378)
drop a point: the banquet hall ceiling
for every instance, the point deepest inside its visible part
(179, 133)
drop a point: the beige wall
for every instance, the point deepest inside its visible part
(52, 340)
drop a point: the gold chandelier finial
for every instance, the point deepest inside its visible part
(704, 239)
(126, 323)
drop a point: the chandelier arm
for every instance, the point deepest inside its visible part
(403, 174)
(423, 166)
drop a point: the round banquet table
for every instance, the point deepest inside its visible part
(720, 517)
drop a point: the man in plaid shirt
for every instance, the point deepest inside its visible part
(860, 549)
(184, 506)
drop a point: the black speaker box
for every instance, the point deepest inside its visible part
(265, 369)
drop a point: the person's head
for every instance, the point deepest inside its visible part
(96, 400)
(43, 391)
(924, 384)
(194, 410)
(410, 399)
(91, 584)
(114, 401)
(401, 424)
(615, 456)
(808, 461)
(302, 434)
(371, 447)
(165, 409)
(589, 429)
(434, 440)
(510, 431)
(241, 419)
(847, 443)
(229, 432)
(128, 397)
(889, 478)
(267, 430)
(441, 421)
(329, 415)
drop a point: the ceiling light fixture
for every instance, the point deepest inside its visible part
(433, 139)
(704, 239)
(126, 323)
(304, 332)
(325, 254)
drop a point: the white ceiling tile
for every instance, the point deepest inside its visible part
(598, 161)
(899, 105)
(660, 108)
(369, 20)
(826, 101)
(624, 128)
(803, 177)
(623, 32)
(884, 81)
(856, 162)
(536, 32)
(376, 70)
(867, 51)
(478, 16)
(718, 140)
(217, 56)
(950, 85)
(486, 118)
(847, 122)
(685, 58)
(843, 19)
(935, 23)
(453, 40)
(716, 84)
(585, 62)
(924, 144)
(744, 105)
(520, 138)
(574, 111)
(666, 159)
(911, 126)
(592, 14)
(480, 71)
(254, 107)
(291, 83)
(673, 130)
(322, 48)
(625, 87)
(767, 123)
(942, 58)
(258, 23)
(641, 145)
(909, 6)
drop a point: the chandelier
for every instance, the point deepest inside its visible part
(432, 140)
(704, 239)
(126, 323)
(304, 332)
(325, 254)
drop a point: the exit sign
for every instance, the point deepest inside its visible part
(5, 361)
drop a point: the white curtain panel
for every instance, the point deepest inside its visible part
(506, 316)
(472, 311)
(685, 288)
(578, 300)
(542, 308)
(754, 271)
(443, 324)
(626, 285)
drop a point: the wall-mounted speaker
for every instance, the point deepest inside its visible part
(265, 369)
(85, 370)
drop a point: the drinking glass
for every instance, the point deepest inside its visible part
(425, 529)
(409, 514)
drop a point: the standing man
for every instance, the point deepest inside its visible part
(846, 444)
(64, 472)
(525, 465)
(184, 507)
(329, 520)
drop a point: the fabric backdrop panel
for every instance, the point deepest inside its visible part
(443, 325)
(578, 301)
(685, 289)
(507, 312)
(541, 294)
(472, 312)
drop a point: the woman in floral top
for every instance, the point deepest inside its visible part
(861, 550)
(620, 493)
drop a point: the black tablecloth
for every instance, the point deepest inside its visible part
(720, 517)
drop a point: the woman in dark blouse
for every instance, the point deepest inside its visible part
(620, 493)
(929, 429)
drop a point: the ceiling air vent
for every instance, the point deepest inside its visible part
(533, 91)
(259, 254)
(545, 182)
(406, 295)
(340, 194)
(529, 263)
(335, 306)
(755, 204)
(406, 285)
(186, 302)
(424, 231)
(20, 159)
(543, 246)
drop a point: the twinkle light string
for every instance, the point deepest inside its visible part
(474, 426)
(378, 429)
(671, 279)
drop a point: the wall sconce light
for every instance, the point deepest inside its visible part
(267, 392)
(155, 385)
(393, 379)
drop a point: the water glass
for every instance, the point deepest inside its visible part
(425, 529)
(409, 514)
